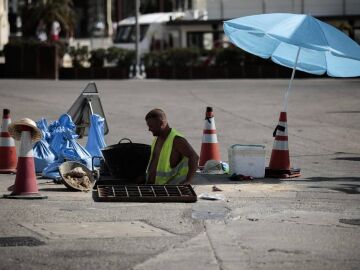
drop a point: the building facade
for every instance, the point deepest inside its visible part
(99, 18)
(4, 23)
(343, 14)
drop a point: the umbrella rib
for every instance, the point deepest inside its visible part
(322, 33)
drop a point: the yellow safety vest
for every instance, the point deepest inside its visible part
(164, 173)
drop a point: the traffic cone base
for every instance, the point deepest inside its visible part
(33, 196)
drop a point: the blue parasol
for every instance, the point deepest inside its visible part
(297, 41)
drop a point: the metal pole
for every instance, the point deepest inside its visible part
(137, 40)
(108, 18)
(264, 6)
(302, 7)
(221, 9)
(286, 97)
(90, 106)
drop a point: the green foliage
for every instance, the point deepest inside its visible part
(48, 11)
(97, 57)
(79, 55)
(231, 56)
(122, 57)
(112, 54)
(181, 57)
(155, 59)
(175, 57)
(21, 43)
(126, 59)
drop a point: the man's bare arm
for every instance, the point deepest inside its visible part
(182, 146)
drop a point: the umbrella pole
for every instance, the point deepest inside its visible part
(286, 97)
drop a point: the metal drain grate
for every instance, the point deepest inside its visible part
(144, 193)
(19, 241)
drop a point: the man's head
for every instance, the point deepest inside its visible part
(156, 121)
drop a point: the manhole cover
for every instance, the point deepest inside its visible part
(144, 193)
(350, 221)
(19, 241)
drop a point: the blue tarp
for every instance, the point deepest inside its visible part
(43, 155)
(65, 147)
(96, 140)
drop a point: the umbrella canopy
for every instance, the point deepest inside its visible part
(296, 41)
(280, 35)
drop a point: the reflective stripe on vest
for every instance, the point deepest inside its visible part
(164, 173)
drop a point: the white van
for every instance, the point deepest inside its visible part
(155, 34)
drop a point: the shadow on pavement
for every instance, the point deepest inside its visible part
(344, 188)
(344, 112)
(348, 189)
(209, 179)
(56, 189)
(348, 158)
(325, 179)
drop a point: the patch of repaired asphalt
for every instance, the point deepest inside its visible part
(210, 210)
(96, 230)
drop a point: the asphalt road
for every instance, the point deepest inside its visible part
(310, 222)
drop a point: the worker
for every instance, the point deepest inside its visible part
(172, 160)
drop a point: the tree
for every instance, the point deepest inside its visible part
(48, 11)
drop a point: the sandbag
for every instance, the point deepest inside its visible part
(75, 152)
(65, 147)
(52, 170)
(57, 129)
(44, 127)
(64, 122)
(43, 155)
(96, 140)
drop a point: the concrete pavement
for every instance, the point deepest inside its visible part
(311, 222)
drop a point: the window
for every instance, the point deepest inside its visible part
(205, 40)
(195, 39)
(126, 33)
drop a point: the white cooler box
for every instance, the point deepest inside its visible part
(247, 159)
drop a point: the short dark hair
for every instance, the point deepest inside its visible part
(156, 113)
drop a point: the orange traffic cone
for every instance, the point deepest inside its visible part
(279, 166)
(8, 158)
(210, 147)
(25, 186)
